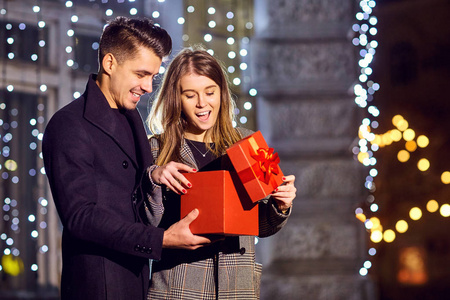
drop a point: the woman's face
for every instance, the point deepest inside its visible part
(200, 103)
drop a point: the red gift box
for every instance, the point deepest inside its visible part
(256, 165)
(222, 211)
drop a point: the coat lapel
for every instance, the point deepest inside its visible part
(143, 151)
(187, 156)
(98, 112)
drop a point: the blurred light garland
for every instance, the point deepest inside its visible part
(236, 59)
(370, 142)
(11, 263)
(365, 32)
(237, 53)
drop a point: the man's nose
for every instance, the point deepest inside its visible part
(147, 85)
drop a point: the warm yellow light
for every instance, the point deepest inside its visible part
(411, 146)
(361, 217)
(11, 165)
(422, 141)
(409, 134)
(362, 156)
(378, 228)
(432, 206)
(395, 135)
(396, 119)
(389, 236)
(423, 164)
(403, 156)
(412, 268)
(415, 213)
(362, 133)
(445, 210)
(386, 139)
(376, 236)
(402, 125)
(12, 265)
(401, 226)
(377, 140)
(375, 222)
(445, 177)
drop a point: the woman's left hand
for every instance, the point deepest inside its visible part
(285, 193)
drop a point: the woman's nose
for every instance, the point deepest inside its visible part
(201, 101)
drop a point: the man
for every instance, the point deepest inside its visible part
(97, 159)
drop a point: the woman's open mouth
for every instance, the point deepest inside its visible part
(203, 116)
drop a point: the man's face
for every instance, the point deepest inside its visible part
(131, 79)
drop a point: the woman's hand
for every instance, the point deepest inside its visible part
(170, 175)
(285, 193)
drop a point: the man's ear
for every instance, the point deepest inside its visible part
(108, 63)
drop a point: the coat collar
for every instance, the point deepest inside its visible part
(186, 155)
(98, 112)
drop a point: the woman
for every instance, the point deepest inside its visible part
(192, 117)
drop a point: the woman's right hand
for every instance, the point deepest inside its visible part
(171, 176)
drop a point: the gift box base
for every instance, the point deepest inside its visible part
(222, 210)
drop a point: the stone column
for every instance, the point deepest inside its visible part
(304, 66)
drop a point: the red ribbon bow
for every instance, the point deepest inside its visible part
(267, 161)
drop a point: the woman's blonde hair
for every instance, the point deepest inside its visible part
(166, 119)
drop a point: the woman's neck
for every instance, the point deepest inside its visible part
(196, 137)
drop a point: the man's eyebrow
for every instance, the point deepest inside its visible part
(145, 72)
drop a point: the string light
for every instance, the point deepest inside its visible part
(237, 60)
(363, 91)
(234, 55)
(15, 214)
(369, 143)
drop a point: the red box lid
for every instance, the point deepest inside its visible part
(256, 165)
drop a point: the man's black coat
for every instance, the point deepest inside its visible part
(94, 181)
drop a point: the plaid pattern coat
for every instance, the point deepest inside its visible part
(223, 270)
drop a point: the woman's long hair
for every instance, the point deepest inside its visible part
(166, 118)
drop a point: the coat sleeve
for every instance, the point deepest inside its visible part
(154, 207)
(86, 215)
(270, 219)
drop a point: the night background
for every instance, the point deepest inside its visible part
(400, 94)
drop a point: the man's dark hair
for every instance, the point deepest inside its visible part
(123, 36)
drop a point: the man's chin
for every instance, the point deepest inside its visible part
(130, 106)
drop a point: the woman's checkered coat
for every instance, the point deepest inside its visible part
(223, 270)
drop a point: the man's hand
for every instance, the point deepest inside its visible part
(170, 175)
(179, 236)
